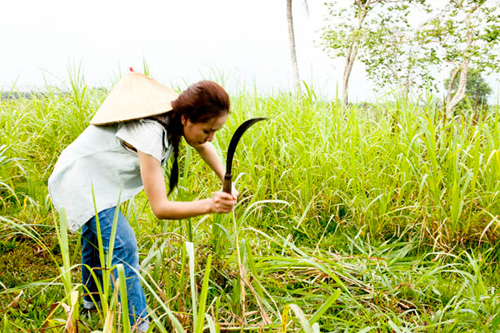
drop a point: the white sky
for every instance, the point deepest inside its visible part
(182, 41)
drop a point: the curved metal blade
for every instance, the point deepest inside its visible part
(236, 138)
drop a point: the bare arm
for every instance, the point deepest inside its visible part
(209, 155)
(154, 186)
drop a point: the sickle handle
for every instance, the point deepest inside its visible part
(226, 184)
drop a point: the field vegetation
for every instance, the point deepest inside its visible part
(381, 217)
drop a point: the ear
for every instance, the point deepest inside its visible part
(183, 120)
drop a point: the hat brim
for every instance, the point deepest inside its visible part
(135, 96)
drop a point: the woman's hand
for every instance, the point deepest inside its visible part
(222, 202)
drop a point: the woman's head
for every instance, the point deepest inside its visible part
(202, 101)
(196, 114)
(201, 109)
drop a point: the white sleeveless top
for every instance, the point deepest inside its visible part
(98, 160)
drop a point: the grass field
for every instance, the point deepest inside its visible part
(371, 218)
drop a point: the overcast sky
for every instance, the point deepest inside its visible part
(182, 41)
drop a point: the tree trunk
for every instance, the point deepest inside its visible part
(351, 56)
(452, 101)
(293, 53)
(409, 79)
(450, 84)
(460, 93)
(353, 50)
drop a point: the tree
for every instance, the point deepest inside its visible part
(291, 38)
(477, 89)
(293, 52)
(346, 32)
(395, 56)
(465, 33)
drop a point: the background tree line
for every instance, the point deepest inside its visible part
(408, 44)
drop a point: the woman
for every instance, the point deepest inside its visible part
(122, 152)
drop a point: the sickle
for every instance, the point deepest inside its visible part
(227, 185)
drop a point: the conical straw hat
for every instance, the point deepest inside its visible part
(135, 96)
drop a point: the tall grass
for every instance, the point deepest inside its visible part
(380, 217)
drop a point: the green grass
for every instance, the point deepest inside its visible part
(380, 218)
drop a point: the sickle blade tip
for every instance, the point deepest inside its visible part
(236, 138)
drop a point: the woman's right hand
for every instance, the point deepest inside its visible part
(222, 202)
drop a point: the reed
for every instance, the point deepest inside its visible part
(379, 217)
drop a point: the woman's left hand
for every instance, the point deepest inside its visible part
(222, 202)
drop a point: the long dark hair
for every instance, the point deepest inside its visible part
(199, 103)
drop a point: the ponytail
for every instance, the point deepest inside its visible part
(173, 126)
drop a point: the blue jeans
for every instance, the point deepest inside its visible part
(125, 252)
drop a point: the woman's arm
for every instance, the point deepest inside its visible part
(209, 155)
(154, 186)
